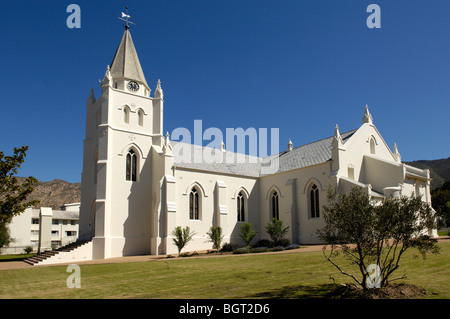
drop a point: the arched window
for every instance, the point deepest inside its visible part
(194, 204)
(240, 207)
(314, 201)
(131, 169)
(126, 114)
(275, 208)
(141, 118)
(372, 146)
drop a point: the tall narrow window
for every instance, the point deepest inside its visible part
(131, 169)
(126, 114)
(314, 201)
(372, 146)
(275, 210)
(194, 208)
(140, 118)
(240, 208)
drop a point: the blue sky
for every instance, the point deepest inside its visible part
(300, 66)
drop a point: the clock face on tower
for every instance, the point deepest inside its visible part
(133, 86)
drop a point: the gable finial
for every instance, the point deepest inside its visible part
(396, 153)
(337, 139)
(367, 118)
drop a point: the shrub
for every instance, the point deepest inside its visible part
(259, 250)
(187, 254)
(284, 242)
(247, 233)
(227, 247)
(243, 250)
(27, 250)
(263, 243)
(276, 231)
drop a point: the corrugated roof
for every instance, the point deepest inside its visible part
(238, 164)
(309, 154)
(57, 214)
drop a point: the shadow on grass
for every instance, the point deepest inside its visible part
(297, 292)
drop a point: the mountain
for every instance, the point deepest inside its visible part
(439, 170)
(55, 193)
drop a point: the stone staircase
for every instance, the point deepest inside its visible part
(34, 260)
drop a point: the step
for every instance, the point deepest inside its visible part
(50, 253)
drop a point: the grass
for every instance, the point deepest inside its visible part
(290, 275)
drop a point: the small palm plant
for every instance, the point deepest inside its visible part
(181, 237)
(247, 233)
(215, 236)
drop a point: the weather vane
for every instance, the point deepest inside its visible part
(126, 17)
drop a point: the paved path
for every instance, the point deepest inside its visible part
(22, 265)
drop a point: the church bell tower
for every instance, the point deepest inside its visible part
(123, 130)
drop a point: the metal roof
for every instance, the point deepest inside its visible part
(239, 164)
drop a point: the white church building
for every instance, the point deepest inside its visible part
(137, 185)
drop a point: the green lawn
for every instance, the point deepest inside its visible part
(291, 275)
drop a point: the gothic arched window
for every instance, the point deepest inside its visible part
(141, 118)
(194, 204)
(126, 114)
(274, 206)
(372, 146)
(131, 169)
(240, 207)
(314, 201)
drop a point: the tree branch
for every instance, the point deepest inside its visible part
(333, 263)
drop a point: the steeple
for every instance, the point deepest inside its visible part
(125, 64)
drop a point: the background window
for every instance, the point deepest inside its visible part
(275, 210)
(240, 207)
(194, 208)
(131, 166)
(314, 201)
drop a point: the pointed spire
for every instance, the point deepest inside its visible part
(167, 146)
(159, 92)
(91, 98)
(126, 62)
(397, 155)
(367, 118)
(290, 145)
(222, 146)
(167, 138)
(107, 78)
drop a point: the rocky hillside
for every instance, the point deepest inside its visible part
(439, 170)
(56, 193)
